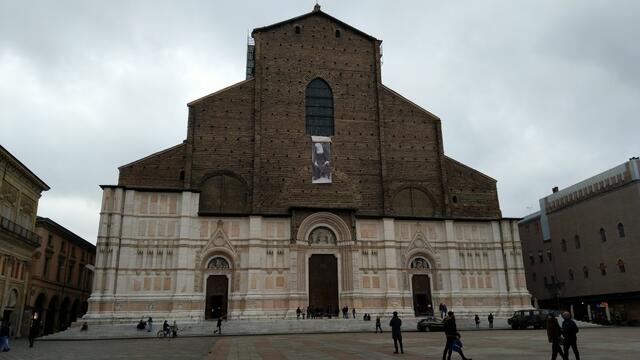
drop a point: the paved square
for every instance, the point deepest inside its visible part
(599, 343)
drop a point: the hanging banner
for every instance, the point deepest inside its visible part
(321, 159)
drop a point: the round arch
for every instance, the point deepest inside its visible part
(413, 200)
(324, 219)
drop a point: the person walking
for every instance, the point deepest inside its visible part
(5, 333)
(378, 326)
(442, 312)
(453, 338)
(477, 321)
(149, 324)
(34, 331)
(219, 326)
(554, 333)
(490, 318)
(298, 313)
(353, 311)
(570, 333)
(174, 329)
(396, 333)
(304, 313)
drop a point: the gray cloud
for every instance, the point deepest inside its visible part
(534, 94)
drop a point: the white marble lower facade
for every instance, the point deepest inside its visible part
(155, 254)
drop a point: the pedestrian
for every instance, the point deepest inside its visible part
(84, 327)
(396, 333)
(5, 333)
(444, 309)
(378, 326)
(441, 309)
(453, 338)
(354, 312)
(570, 333)
(303, 313)
(298, 313)
(174, 329)
(149, 324)
(477, 321)
(34, 331)
(166, 330)
(219, 326)
(554, 333)
(490, 318)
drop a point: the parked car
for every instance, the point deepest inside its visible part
(522, 319)
(430, 323)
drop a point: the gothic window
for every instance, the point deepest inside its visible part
(223, 194)
(576, 241)
(412, 201)
(603, 235)
(621, 267)
(319, 108)
(603, 269)
(322, 236)
(13, 299)
(620, 230)
(420, 264)
(532, 259)
(540, 257)
(218, 263)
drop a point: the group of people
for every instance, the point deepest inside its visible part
(318, 313)
(567, 335)
(168, 330)
(476, 319)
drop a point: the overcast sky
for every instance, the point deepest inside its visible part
(535, 94)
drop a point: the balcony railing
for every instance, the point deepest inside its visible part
(20, 231)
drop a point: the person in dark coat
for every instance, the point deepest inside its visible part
(490, 318)
(219, 326)
(378, 326)
(553, 333)
(396, 333)
(570, 333)
(298, 313)
(5, 334)
(477, 321)
(34, 331)
(453, 337)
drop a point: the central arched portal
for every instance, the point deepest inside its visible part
(323, 283)
(217, 296)
(421, 285)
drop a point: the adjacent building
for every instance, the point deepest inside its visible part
(309, 183)
(61, 276)
(582, 249)
(20, 190)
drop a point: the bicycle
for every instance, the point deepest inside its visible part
(165, 334)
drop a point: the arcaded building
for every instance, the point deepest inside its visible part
(310, 183)
(582, 250)
(61, 276)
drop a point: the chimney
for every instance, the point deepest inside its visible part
(555, 189)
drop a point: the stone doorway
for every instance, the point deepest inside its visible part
(216, 297)
(323, 283)
(422, 304)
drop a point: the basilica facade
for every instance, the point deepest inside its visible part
(308, 184)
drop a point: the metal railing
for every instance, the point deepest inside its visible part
(22, 232)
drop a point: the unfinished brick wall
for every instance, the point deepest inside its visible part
(164, 169)
(475, 193)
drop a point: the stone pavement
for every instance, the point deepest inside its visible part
(594, 343)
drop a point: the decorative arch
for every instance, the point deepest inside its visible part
(419, 263)
(412, 200)
(223, 192)
(328, 220)
(319, 108)
(218, 263)
(13, 298)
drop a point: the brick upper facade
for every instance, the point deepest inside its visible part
(251, 139)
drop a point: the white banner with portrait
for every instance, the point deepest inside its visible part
(321, 159)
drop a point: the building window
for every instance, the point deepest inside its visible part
(540, 257)
(45, 269)
(603, 235)
(563, 245)
(549, 256)
(603, 269)
(532, 260)
(60, 268)
(576, 241)
(319, 108)
(571, 275)
(338, 33)
(298, 29)
(620, 230)
(585, 272)
(70, 271)
(620, 264)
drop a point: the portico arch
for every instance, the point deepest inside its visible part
(328, 220)
(420, 271)
(217, 268)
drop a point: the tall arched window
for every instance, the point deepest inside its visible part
(620, 230)
(603, 235)
(319, 108)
